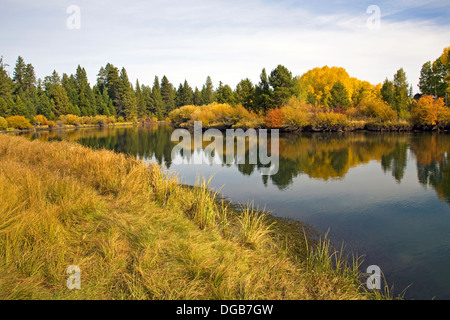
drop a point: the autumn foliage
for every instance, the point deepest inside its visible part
(40, 120)
(429, 112)
(3, 124)
(275, 118)
(18, 122)
(378, 109)
(213, 114)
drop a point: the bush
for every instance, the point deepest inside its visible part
(378, 109)
(71, 119)
(18, 122)
(353, 112)
(330, 121)
(40, 120)
(275, 118)
(100, 120)
(3, 124)
(295, 117)
(429, 112)
(120, 119)
(51, 124)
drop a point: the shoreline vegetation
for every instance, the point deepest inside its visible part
(136, 233)
(321, 99)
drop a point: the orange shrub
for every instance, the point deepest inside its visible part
(18, 122)
(444, 117)
(275, 118)
(427, 111)
(40, 120)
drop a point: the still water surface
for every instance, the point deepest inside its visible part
(385, 196)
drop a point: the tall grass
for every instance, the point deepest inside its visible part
(136, 233)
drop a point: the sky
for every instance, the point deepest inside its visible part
(227, 40)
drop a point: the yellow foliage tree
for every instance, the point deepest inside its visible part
(315, 86)
(429, 112)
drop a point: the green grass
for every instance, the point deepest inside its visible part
(136, 233)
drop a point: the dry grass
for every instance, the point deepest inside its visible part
(136, 234)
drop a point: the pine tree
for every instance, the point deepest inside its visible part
(29, 80)
(141, 107)
(87, 104)
(224, 94)
(43, 103)
(207, 92)
(70, 85)
(127, 97)
(244, 93)
(18, 108)
(401, 93)
(197, 98)
(282, 83)
(6, 89)
(102, 78)
(102, 105)
(19, 74)
(188, 94)
(339, 96)
(167, 95)
(4, 109)
(157, 107)
(426, 79)
(263, 94)
(61, 104)
(148, 101)
(112, 86)
(184, 95)
(179, 96)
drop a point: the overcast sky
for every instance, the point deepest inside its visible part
(228, 40)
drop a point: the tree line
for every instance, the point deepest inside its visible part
(113, 94)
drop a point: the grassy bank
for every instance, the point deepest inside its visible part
(136, 233)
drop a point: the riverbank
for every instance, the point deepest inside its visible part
(350, 126)
(69, 127)
(135, 233)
